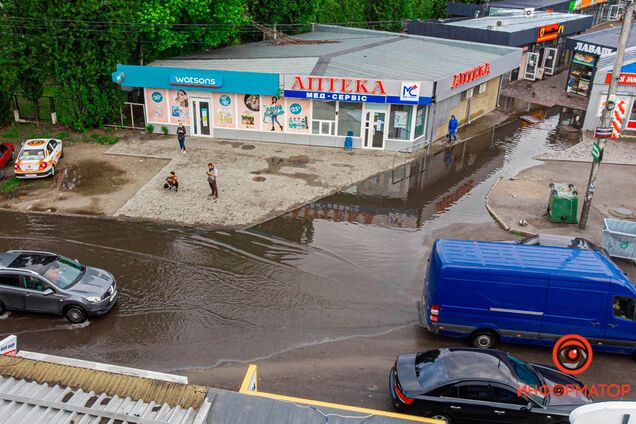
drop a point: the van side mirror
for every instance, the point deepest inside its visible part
(528, 407)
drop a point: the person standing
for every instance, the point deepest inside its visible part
(181, 134)
(212, 175)
(452, 129)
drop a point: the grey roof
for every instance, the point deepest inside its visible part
(607, 37)
(606, 63)
(23, 401)
(520, 4)
(516, 21)
(357, 53)
(232, 408)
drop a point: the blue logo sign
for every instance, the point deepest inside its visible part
(225, 101)
(296, 109)
(157, 97)
(185, 80)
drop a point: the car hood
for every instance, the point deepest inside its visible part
(405, 367)
(94, 282)
(553, 378)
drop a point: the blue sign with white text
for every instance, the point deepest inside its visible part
(353, 97)
(195, 80)
(157, 97)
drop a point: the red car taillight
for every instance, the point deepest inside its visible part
(434, 315)
(405, 399)
(44, 164)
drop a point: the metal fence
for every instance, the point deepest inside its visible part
(25, 110)
(132, 115)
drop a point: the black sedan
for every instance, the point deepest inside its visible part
(464, 385)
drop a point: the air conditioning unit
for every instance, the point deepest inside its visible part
(528, 12)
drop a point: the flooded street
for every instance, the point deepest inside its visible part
(347, 267)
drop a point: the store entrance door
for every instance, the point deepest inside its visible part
(549, 60)
(374, 130)
(532, 63)
(201, 117)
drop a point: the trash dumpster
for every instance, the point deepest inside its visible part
(563, 203)
(619, 238)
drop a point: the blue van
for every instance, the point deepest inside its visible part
(496, 291)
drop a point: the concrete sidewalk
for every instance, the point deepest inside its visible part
(548, 92)
(618, 152)
(257, 181)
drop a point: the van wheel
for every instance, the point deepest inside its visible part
(442, 417)
(484, 340)
(75, 314)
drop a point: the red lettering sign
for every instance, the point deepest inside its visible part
(549, 32)
(625, 79)
(338, 85)
(471, 74)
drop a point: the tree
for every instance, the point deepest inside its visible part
(341, 11)
(283, 11)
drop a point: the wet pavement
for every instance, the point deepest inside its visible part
(331, 286)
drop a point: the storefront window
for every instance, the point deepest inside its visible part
(324, 118)
(420, 117)
(581, 71)
(400, 122)
(349, 118)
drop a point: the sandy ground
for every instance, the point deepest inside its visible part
(87, 182)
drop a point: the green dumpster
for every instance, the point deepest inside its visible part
(563, 203)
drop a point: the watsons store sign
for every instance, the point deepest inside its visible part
(188, 80)
(358, 90)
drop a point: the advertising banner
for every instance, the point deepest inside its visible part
(298, 113)
(179, 106)
(249, 111)
(9, 346)
(224, 110)
(156, 105)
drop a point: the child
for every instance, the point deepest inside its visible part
(171, 182)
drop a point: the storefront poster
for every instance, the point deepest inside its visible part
(179, 106)
(249, 116)
(400, 118)
(156, 105)
(297, 116)
(273, 114)
(584, 59)
(224, 107)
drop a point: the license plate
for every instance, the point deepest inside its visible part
(30, 175)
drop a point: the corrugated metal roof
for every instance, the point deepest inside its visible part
(517, 22)
(358, 52)
(112, 384)
(23, 401)
(606, 63)
(607, 37)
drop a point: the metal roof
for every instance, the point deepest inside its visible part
(607, 37)
(358, 53)
(521, 4)
(516, 21)
(186, 396)
(606, 63)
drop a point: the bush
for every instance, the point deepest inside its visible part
(164, 130)
(9, 186)
(104, 139)
(150, 128)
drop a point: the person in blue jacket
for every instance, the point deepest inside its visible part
(452, 128)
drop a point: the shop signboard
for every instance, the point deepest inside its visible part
(584, 59)
(9, 346)
(582, 4)
(192, 79)
(593, 49)
(469, 75)
(625, 78)
(358, 90)
(549, 32)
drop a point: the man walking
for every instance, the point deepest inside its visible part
(181, 133)
(452, 129)
(212, 174)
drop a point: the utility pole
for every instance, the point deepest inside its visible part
(606, 118)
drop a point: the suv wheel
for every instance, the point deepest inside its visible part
(484, 340)
(75, 314)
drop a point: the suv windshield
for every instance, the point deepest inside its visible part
(61, 271)
(527, 377)
(31, 154)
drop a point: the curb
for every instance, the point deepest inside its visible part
(490, 210)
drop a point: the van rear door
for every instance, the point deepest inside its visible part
(575, 306)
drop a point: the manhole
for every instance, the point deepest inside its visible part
(259, 179)
(623, 211)
(248, 147)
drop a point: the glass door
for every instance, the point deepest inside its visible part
(532, 63)
(201, 117)
(549, 60)
(374, 130)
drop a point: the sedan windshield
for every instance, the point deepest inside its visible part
(527, 377)
(31, 154)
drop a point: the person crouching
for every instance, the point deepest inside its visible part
(171, 182)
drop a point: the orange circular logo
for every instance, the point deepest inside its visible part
(572, 354)
(35, 142)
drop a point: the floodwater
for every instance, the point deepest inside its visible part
(348, 265)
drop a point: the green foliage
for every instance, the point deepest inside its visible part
(283, 11)
(104, 139)
(11, 133)
(9, 186)
(164, 130)
(150, 128)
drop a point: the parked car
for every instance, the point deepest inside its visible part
(458, 385)
(7, 154)
(492, 291)
(34, 281)
(555, 240)
(38, 158)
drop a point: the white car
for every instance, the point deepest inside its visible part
(38, 158)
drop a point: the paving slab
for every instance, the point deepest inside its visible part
(618, 152)
(257, 181)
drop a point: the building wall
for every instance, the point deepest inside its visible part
(458, 106)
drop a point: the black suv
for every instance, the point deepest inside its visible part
(34, 281)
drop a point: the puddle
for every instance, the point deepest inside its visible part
(92, 177)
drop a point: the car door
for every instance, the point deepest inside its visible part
(40, 297)
(620, 331)
(469, 401)
(12, 293)
(56, 149)
(508, 407)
